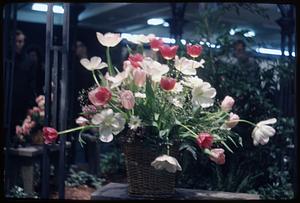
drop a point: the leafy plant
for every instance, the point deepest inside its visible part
(77, 178)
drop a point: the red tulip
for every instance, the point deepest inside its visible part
(167, 83)
(100, 96)
(205, 140)
(194, 50)
(49, 134)
(168, 52)
(218, 156)
(135, 59)
(155, 44)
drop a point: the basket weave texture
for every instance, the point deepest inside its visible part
(143, 179)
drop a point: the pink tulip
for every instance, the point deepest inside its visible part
(233, 120)
(139, 77)
(168, 52)
(217, 155)
(167, 83)
(227, 103)
(127, 99)
(205, 140)
(50, 135)
(19, 130)
(155, 44)
(81, 121)
(26, 128)
(100, 96)
(135, 59)
(194, 50)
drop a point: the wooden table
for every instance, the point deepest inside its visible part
(24, 158)
(118, 191)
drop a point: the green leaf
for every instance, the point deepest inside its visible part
(225, 145)
(230, 138)
(189, 148)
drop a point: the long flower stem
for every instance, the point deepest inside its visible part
(187, 129)
(96, 78)
(75, 129)
(241, 120)
(110, 69)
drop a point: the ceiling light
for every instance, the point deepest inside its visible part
(183, 41)
(231, 32)
(155, 21)
(166, 24)
(249, 34)
(272, 51)
(44, 8)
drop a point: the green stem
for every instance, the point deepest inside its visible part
(241, 120)
(110, 69)
(75, 129)
(188, 129)
(95, 78)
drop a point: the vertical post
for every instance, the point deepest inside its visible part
(49, 37)
(64, 99)
(8, 70)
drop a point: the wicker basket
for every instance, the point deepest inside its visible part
(143, 179)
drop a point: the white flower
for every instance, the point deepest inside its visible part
(262, 131)
(166, 162)
(153, 68)
(186, 66)
(109, 123)
(139, 39)
(140, 95)
(202, 95)
(134, 122)
(202, 61)
(93, 64)
(118, 79)
(109, 39)
(175, 101)
(192, 81)
(178, 88)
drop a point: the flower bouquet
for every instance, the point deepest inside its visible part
(31, 130)
(157, 109)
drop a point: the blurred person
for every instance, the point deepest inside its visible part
(23, 83)
(35, 57)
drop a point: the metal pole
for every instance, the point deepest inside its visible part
(49, 37)
(64, 99)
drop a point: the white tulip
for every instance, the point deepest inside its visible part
(192, 81)
(262, 131)
(139, 39)
(109, 39)
(186, 66)
(93, 64)
(153, 68)
(166, 162)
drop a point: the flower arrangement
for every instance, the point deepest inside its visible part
(166, 98)
(32, 124)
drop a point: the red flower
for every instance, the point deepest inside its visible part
(194, 50)
(205, 140)
(100, 96)
(168, 52)
(49, 134)
(167, 83)
(155, 44)
(217, 155)
(134, 59)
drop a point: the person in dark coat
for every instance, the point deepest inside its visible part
(23, 83)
